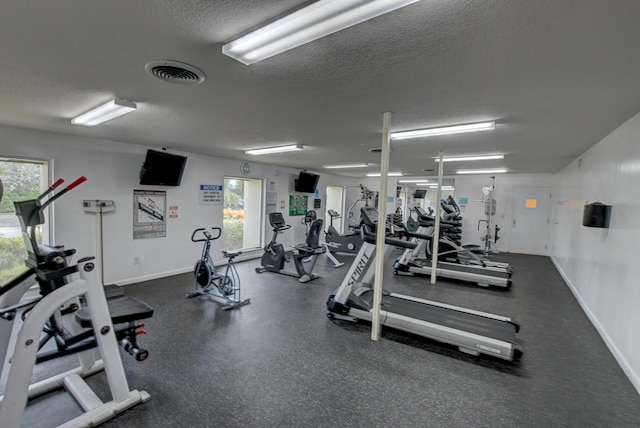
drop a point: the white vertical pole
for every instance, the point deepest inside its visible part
(382, 218)
(99, 243)
(436, 230)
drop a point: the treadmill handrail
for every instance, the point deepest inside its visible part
(369, 236)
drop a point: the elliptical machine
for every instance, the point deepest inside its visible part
(275, 256)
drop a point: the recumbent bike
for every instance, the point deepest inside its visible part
(275, 256)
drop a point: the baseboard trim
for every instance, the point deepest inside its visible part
(249, 255)
(622, 361)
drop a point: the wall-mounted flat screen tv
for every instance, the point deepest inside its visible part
(419, 194)
(162, 169)
(306, 182)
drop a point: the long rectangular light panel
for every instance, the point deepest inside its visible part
(313, 22)
(470, 158)
(347, 165)
(482, 171)
(276, 149)
(391, 174)
(445, 130)
(110, 110)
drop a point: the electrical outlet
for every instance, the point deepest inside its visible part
(136, 260)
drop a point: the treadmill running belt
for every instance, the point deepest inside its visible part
(471, 323)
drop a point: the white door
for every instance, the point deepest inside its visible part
(335, 197)
(530, 223)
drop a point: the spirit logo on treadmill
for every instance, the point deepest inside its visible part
(357, 272)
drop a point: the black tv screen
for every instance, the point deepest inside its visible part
(419, 194)
(162, 169)
(306, 182)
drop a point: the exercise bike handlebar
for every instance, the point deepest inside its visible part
(206, 234)
(281, 228)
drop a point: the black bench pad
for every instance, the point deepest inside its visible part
(122, 309)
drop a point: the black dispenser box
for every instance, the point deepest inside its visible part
(596, 215)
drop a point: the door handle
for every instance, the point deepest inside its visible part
(514, 222)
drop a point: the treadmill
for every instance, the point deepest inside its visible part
(473, 332)
(481, 272)
(464, 251)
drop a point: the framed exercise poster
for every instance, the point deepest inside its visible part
(149, 214)
(298, 205)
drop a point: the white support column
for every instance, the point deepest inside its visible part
(104, 331)
(382, 218)
(436, 230)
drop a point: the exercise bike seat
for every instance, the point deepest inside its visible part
(231, 254)
(48, 253)
(307, 250)
(122, 309)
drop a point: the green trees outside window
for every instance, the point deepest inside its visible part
(21, 180)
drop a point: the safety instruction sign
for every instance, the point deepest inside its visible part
(211, 194)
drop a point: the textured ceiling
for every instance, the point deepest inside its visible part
(557, 76)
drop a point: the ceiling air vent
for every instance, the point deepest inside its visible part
(175, 72)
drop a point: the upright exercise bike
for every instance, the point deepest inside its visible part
(224, 288)
(275, 256)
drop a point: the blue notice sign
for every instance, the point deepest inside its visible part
(211, 194)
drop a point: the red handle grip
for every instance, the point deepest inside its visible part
(58, 182)
(63, 191)
(78, 182)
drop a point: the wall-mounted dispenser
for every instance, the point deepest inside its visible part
(596, 215)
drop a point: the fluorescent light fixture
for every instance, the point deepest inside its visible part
(482, 171)
(313, 22)
(446, 130)
(276, 149)
(346, 165)
(112, 109)
(390, 174)
(470, 158)
(414, 180)
(443, 187)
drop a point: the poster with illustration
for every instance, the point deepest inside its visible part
(298, 205)
(149, 214)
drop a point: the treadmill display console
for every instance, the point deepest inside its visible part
(369, 215)
(420, 212)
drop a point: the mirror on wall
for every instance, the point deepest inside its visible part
(425, 195)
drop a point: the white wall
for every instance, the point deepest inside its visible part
(471, 187)
(112, 171)
(601, 265)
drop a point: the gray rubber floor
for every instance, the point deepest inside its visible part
(280, 362)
